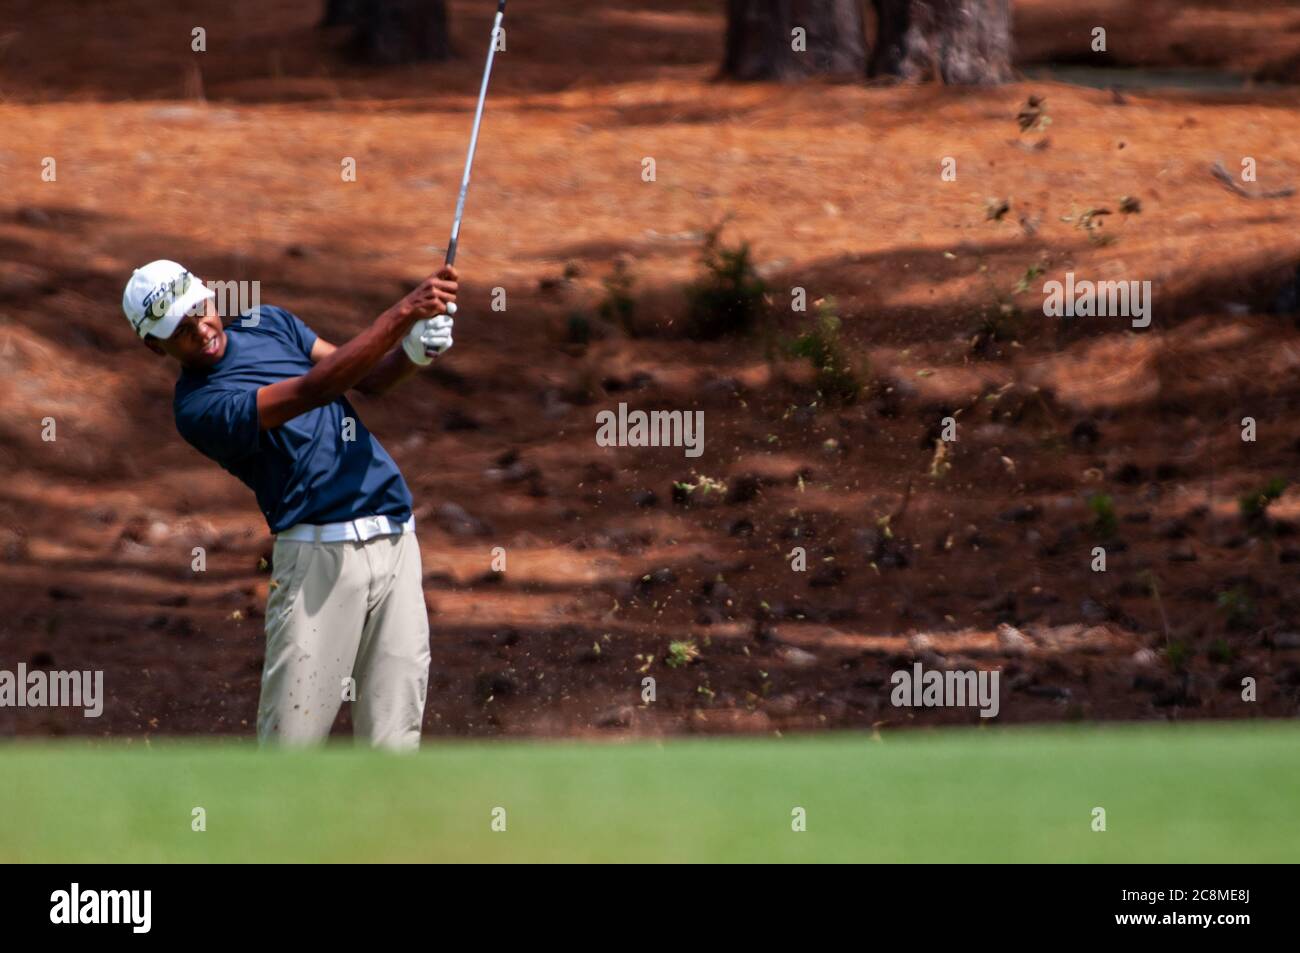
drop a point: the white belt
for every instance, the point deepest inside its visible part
(357, 531)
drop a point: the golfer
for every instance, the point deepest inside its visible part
(265, 397)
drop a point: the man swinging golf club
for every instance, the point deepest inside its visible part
(265, 398)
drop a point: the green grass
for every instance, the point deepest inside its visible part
(1203, 792)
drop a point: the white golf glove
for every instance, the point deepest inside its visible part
(428, 339)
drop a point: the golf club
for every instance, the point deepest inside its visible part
(473, 143)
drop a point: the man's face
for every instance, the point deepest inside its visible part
(198, 342)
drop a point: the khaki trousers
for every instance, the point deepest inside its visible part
(345, 622)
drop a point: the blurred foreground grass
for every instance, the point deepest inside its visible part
(1172, 793)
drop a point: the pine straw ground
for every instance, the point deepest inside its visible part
(837, 189)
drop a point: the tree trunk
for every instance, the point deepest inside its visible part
(961, 42)
(392, 32)
(762, 45)
(341, 13)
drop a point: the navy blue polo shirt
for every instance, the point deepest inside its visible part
(303, 471)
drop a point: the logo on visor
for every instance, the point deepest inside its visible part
(160, 299)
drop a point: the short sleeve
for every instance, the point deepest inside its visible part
(220, 423)
(284, 325)
(302, 335)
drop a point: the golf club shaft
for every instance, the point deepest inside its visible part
(473, 142)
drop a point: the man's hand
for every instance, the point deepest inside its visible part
(432, 296)
(429, 338)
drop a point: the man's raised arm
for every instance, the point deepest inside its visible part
(348, 364)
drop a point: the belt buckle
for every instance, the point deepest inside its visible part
(371, 526)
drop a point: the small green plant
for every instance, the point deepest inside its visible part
(1104, 521)
(1254, 505)
(729, 297)
(836, 380)
(1237, 607)
(618, 306)
(1221, 652)
(703, 485)
(1153, 583)
(1031, 273)
(1178, 654)
(682, 653)
(996, 319)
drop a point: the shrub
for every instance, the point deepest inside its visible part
(836, 381)
(682, 653)
(728, 298)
